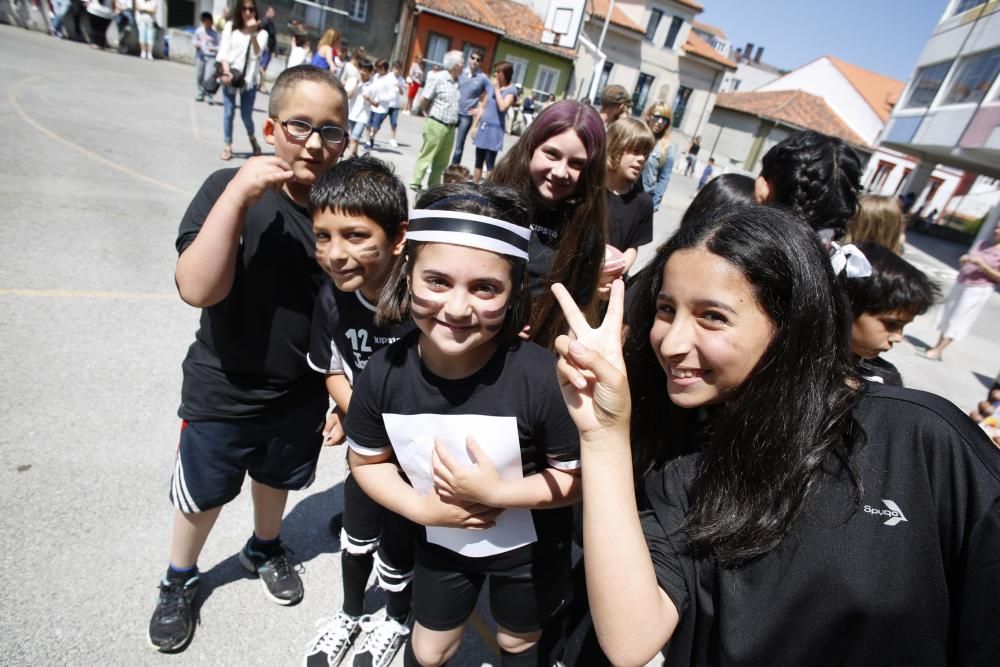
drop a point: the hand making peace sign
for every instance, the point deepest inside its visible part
(591, 368)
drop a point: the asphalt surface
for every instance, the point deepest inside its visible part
(103, 154)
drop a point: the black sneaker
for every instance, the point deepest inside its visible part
(280, 580)
(172, 624)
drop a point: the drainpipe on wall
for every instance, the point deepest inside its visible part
(704, 109)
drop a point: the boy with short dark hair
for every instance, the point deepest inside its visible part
(359, 213)
(249, 403)
(882, 303)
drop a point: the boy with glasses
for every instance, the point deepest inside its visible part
(249, 402)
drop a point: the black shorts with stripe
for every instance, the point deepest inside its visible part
(279, 450)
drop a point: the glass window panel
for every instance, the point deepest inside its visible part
(974, 76)
(926, 83)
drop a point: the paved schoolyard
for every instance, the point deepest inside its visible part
(102, 154)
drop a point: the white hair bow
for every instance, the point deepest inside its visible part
(851, 258)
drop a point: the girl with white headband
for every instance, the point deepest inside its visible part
(474, 417)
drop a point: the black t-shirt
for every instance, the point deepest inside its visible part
(518, 383)
(909, 577)
(630, 218)
(272, 35)
(249, 353)
(547, 229)
(344, 335)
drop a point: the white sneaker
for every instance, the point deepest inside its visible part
(383, 639)
(334, 641)
(392, 142)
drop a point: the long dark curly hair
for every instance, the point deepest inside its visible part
(817, 176)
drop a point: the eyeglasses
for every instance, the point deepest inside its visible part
(302, 130)
(476, 58)
(661, 119)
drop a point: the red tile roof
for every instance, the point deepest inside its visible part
(477, 11)
(697, 46)
(599, 9)
(690, 3)
(524, 26)
(511, 19)
(710, 29)
(793, 107)
(880, 92)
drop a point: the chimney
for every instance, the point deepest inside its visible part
(756, 58)
(748, 51)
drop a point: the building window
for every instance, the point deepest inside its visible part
(926, 83)
(899, 187)
(973, 78)
(641, 93)
(358, 10)
(881, 175)
(546, 80)
(520, 68)
(655, 15)
(675, 27)
(966, 5)
(603, 81)
(437, 46)
(680, 104)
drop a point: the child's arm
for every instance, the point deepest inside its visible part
(991, 273)
(480, 483)
(205, 269)
(380, 479)
(340, 391)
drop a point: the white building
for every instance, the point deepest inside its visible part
(949, 113)
(653, 50)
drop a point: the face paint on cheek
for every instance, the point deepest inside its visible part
(371, 252)
(488, 315)
(421, 309)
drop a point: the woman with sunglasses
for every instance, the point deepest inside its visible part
(660, 163)
(239, 50)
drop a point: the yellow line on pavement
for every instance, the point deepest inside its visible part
(84, 294)
(12, 98)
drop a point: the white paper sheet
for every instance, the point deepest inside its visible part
(412, 438)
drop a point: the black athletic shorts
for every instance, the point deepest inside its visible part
(279, 450)
(522, 599)
(368, 527)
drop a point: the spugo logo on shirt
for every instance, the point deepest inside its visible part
(893, 514)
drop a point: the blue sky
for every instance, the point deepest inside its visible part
(885, 36)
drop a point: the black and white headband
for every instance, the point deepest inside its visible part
(469, 229)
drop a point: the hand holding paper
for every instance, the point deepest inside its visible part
(478, 483)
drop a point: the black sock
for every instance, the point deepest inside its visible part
(355, 569)
(527, 658)
(269, 548)
(181, 573)
(398, 607)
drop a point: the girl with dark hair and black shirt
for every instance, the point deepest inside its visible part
(824, 519)
(817, 177)
(474, 417)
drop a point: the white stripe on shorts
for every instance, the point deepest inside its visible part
(182, 498)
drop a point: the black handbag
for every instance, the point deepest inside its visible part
(239, 78)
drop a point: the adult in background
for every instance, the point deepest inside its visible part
(440, 105)
(615, 102)
(493, 117)
(326, 52)
(692, 156)
(414, 80)
(979, 274)
(472, 85)
(239, 51)
(99, 15)
(272, 44)
(660, 163)
(145, 18)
